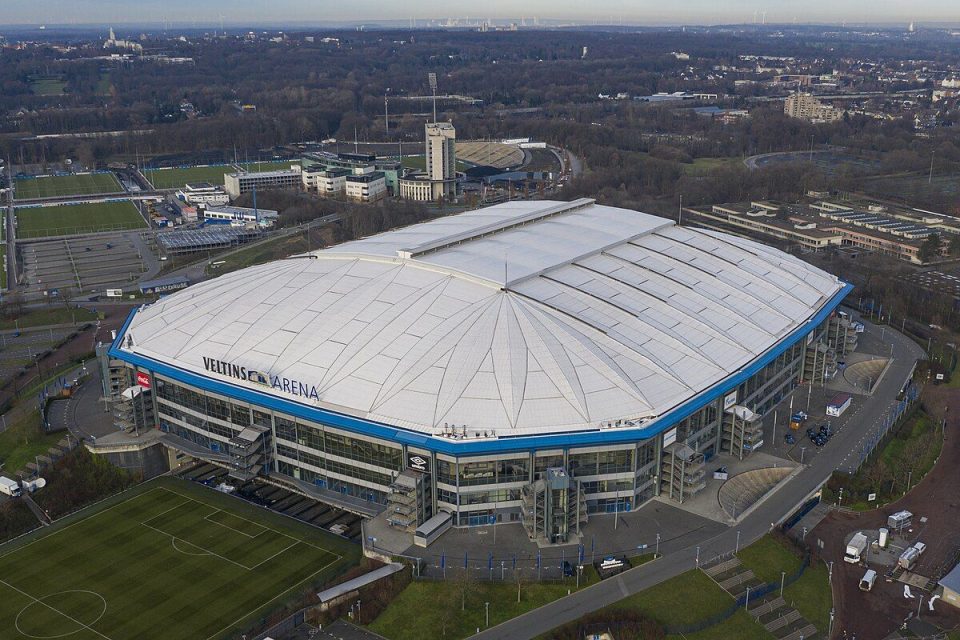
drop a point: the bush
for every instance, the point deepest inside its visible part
(16, 519)
(78, 479)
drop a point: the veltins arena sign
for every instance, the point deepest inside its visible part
(287, 385)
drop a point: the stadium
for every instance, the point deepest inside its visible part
(534, 362)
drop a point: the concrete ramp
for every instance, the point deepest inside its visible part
(744, 490)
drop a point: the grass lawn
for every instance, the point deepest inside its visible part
(435, 605)
(740, 626)
(176, 178)
(76, 184)
(686, 599)
(262, 252)
(44, 317)
(22, 441)
(90, 217)
(166, 560)
(48, 86)
(636, 561)
(812, 597)
(810, 594)
(704, 165)
(768, 557)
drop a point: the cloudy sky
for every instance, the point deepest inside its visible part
(203, 12)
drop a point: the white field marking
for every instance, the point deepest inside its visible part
(226, 526)
(284, 550)
(279, 533)
(242, 566)
(279, 595)
(55, 610)
(72, 524)
(173, 541)
(68, 633)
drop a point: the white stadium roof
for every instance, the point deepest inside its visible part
(522, 318)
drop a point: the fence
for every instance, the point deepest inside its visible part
(893, 416)
(285, 626)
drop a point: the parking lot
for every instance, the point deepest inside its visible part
(17, 351)
(85, 264)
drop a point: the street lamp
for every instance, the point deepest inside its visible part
(486, 606)
(698, 557)
(802, 451)
(657, 552)
(737, 547)
(783, 577)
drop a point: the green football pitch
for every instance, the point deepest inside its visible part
(174, 561)
(71, 219)
(176, 178)
(73, 185)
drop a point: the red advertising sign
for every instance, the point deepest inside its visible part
(143, 379)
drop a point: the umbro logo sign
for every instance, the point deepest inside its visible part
(417, 463)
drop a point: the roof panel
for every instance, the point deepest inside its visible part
(522, 318)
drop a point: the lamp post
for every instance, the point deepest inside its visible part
(802, 451)
(657, 552)
(783, 577)
(698, 557)
(736, 549)
(486, 606)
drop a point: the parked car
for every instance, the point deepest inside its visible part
(789, 439)
(811, 433)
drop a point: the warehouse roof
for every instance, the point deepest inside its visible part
(522, 318)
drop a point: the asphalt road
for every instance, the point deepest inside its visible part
(756, 524)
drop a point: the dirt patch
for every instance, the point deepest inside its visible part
(936, 497)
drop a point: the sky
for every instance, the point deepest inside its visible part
(639, 12)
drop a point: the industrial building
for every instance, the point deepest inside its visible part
(246, 181)
(203, 193)
(242, 215)
(533, 362)
(819, 224)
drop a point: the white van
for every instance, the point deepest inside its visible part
(866, 582)
(920, 547)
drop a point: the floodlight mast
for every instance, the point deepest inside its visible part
(432, 78)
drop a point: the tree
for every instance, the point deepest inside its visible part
(955, 245)
(465, 585)
(930, 248)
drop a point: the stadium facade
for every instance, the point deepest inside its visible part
(529, 361)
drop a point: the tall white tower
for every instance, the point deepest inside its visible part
(441, 157)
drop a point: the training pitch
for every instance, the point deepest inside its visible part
(73, 185)
(177, 178)
(174, 561)
(71, 219)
